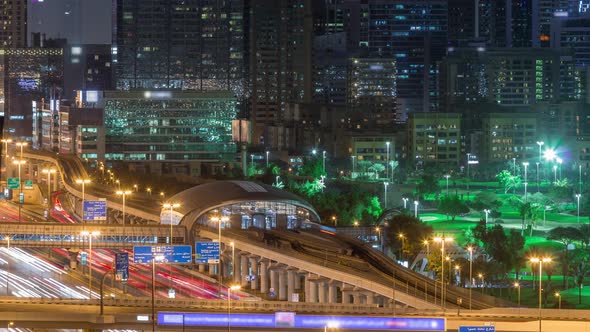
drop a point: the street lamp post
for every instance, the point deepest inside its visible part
(219, 221)
(353, 166)
(20, 187)
(90, 235)
(233, 258)
(171, 206)
(267, 152)
(252, 163)
(458, 269)
(517, 285)
(123, 193)
(387, 161)
(324, 161)
(514, 166)
(580, 179)
(405, 199)
(558, 295)
(442, 241)
(83, 182)
(229, 290)
(487, 212)
(526, 165)
(468, 164)
(447, 176)
(578, 198)
(416, 209)
(540, 144)
(538, 184)
(403, 238)
(385, 184)
(470, 249)
(483, 284)
(49, 172)
(540, 261)
(5, 141)
(7, 263)
(21, 145)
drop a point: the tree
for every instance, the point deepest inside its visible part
(377, 168)
(428, 184)
(486, 200)
(312, 167)
(508, 180)
(580, 268)
(413, 231)
(452, 206)
(565, 235)
(504, 249)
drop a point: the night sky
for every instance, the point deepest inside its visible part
(80, 21)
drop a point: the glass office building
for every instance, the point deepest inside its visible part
(169, 130)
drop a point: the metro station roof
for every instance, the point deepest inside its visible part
(204, 197)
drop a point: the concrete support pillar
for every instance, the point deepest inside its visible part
(306, 289)
(282, 291)
(202, 268)
(370, 298)
(274, 280)
(346, 296)
(322, 291)
(244, 270)
(356, 297)
(264, 276)
(297, 281)
(313, 291)
(254, 272)
(236, 267)
(332, 293)
(212, 269)
(291, 275)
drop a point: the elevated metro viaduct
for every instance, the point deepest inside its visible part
(326, 275)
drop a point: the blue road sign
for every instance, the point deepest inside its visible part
(83, 258)
(162, 254)
(121, 266)
(207, 252)
(95, 210)
(477, 328)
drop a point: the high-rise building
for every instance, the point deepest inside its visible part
(188, 45)
(572, 33)
(414, 33)
(13, 24)
(509, 77)
(27, 75)
(87, 67)
(434, 139)
(371, 98)
(280, 62)
(509, 135)
(463, 21)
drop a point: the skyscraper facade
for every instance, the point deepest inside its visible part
(13, 23)
(280, 62)
(179, 44)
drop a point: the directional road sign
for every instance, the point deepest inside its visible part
(28, 184)
(477, 328)
(121, 266)
(95, 210)
(83, 258)
(207, 252)
(13, 183)
(162, 254)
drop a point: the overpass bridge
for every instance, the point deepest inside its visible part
(315, 266)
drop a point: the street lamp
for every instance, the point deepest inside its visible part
(458, 269)
(83, 182)
(7, 238)
(517, 285)
(233, 257)
(538, 184)
(353, 166)
(219, 221)
(21, 145)
(229, 290)
(447, 176)
(124, 194)
(135, 188)
(470, 249)
(558, 295)
(20, 186)
(416, 209)
(580, 178)
(540, 261)
(514, 166)
(483, 284)
(385, 184)
(540, 144)
(442, 241)
(49, 172)
(487, 212)
(324, 161)
(578, 198)
(267, 152)
(252, 163)
(5, 141)
(405, 199)
(387, 161)
(10, 324)
(90, 235)
(149, 190)
(427, 244)
(378, 230)
(171, 206)
(468, 164)
(526, 165)
(403, 238)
